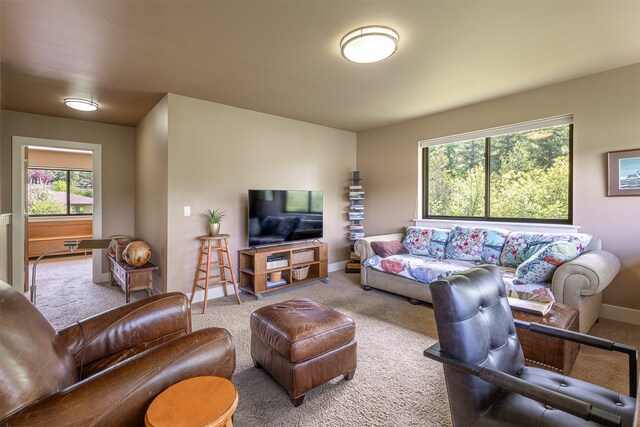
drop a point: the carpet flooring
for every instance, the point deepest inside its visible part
(394, 383)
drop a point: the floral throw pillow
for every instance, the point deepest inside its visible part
(426, 241)
(493, 243)
(520, 246)
(466, 243)
(541, 266)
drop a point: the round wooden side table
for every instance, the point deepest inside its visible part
(198, 401)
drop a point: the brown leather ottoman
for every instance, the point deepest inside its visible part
(303, 344)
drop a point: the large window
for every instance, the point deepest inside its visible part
(60, 192)
(518, 173)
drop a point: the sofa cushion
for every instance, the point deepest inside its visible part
(426, 241)
(520, 246)
(541, 266)
(388, 248)
(465, 243)
(493, 243)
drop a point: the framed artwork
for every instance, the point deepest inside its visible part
(624, 173)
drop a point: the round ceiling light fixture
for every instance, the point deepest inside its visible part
(369, 44)
(81, 104)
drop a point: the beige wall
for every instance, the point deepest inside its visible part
(217, 153)
(60, 159)
(5, 247)
(117, 161)
(151, 150)
(606, 109)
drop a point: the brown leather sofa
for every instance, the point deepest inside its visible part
(104, 370)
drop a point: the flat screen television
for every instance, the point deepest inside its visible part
(281, 216)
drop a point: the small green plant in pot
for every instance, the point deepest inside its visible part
(213, 219)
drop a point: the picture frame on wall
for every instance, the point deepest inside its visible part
(623, 173)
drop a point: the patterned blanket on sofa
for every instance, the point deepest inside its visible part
(426, 270)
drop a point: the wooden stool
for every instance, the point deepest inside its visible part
(198, 401)
(206, 249)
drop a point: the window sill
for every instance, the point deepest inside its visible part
(511, 226)
(61, 218)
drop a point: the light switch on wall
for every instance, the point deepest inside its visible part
(187, 211)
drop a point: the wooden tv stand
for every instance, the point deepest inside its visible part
(254, 274)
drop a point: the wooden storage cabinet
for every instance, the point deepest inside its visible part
(131, 278)
(253, 271)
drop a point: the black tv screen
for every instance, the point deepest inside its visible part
(279, 216)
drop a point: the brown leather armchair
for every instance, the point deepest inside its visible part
(104, 370)
(487, 381)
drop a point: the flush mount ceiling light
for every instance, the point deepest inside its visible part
(81, 104)
(369, 44)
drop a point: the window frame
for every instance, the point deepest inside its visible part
(487, 135)
(68, 193)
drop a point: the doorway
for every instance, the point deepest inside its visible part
(19, 166)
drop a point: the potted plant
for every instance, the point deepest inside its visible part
(213, 219)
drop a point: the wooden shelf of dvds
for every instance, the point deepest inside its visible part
(356, 216)
(266, 269)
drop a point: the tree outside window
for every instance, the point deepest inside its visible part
(59, 192)
(528, 177)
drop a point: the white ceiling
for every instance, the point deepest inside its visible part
(283, 57)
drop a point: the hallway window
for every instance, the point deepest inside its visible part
(56, 192)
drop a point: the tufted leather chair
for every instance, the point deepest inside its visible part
(487, 381)
(104, 370)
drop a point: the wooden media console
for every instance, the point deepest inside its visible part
(287, 261)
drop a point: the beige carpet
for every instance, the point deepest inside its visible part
(394, 383)
(65, 291)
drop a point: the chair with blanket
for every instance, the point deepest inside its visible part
(104, 370)
(487, 381)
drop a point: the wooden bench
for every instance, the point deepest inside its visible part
(49, 235)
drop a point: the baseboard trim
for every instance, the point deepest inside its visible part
(337, 266)
(621, 314)
(217, 292)
(102, 277)
(214, 293)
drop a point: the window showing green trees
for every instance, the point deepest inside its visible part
(528, 176)
(59, 192)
